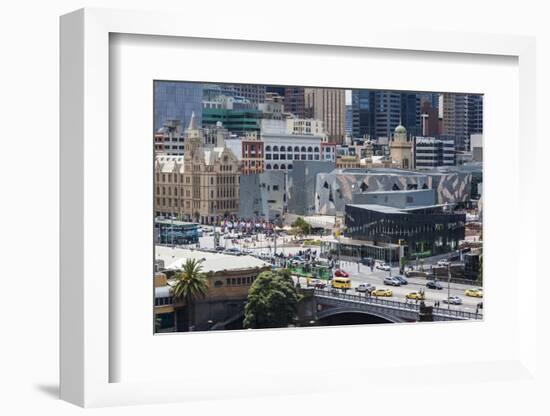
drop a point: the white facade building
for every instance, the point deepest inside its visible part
(282, 146)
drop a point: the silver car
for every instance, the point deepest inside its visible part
(392, 281)
(453, 300)
(364, 288)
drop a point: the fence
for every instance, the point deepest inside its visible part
(394, 304)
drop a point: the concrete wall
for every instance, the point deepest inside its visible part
(263, 195)
(301, 184)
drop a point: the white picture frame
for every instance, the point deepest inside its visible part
(86, 352)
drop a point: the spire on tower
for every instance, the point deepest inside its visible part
(192, 122)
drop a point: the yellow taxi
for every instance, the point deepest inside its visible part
(474, 292)
(381, 292)
(416, 295)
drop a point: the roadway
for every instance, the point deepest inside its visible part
(362, 274)
(358, 273)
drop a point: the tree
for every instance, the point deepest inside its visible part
(301, 226)
(272, 301)
(189, 285)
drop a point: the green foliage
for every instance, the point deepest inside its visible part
(301, 226)
(272, 301)
(190, 283)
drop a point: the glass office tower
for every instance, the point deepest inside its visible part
(176, 101)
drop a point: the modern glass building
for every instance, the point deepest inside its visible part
(362, 103)
(410, 113)
(238, 122)
(423, 231)
(176, 101)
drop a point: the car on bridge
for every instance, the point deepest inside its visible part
(392, 281)
(383, 266)
(343, 283)
(453, 300)
(443, 263)
(382, 292)
(417, 295)
(316, 283)
(434, 284)
(401, 280)
(365, 288)
(341, 273)
(474, 292)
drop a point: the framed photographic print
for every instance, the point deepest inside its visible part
(254, 204)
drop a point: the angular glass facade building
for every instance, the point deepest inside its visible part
(424, 231)
(176, 101)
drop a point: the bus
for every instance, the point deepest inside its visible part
(341, 283)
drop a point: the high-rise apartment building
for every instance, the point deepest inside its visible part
(328, 105)
(462, 116)
(176, 101)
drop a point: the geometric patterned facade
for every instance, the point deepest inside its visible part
(336, 189)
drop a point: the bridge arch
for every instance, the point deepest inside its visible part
(332, 312)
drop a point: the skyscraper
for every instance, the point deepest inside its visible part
(176, 101)
(462, 116)
(294, 101)
(349, 120)
(328, 105)
(362, 103)
(475, 114)
(387, 107)
(410, 113)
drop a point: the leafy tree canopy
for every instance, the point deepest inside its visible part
(190, 283)
(272, 301)
(301, 226)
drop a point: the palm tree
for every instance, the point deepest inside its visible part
(190, 284)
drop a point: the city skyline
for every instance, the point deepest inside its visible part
(291, 206)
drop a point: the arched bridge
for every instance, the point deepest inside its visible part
(327, 303)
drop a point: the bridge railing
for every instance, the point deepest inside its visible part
(457, 313)
(366, 299)
(395, 304)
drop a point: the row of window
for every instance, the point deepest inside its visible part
(277, 167)
(238, 281)
(220, 179)
(291, 157)
(289, 149)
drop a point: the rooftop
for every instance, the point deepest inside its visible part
(393, 210)
(213, 262)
